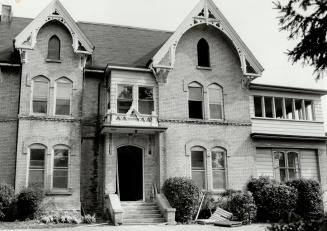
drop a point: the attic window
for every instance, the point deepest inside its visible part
(54, 48)
(203, 53)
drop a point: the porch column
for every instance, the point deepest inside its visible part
(110, 168)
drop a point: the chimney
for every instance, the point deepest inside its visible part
(6, 13)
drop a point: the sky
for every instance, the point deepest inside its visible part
(254, 20)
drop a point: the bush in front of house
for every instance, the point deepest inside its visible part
(28, 202)
(313, 225)
(242, 206)
(278, 202)
(184, 195)
(7, 196)
(309, 203)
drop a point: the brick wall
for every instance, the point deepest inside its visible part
(9, 95)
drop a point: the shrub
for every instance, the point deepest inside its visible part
(28, 202)
(255, 186)
(297, 226)
(277, 202)
(310, 203)
(184, 195)
(63, 217)
(88, 219)
(7, 195)
(242, 206)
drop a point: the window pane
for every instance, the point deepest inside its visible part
(308, 109)
(293, 174)
(146, 93)
(282, 173)
(124, 106)
(60, 178)
(218, 159)
(292, 159)
(63, 107)
(36, 178)
(37, 158)
(54, 48)
(257, 106)
(60, 158)
(40, 96)
(199, 178)
(289, 108)
(195, 93)
(298, 109)
(146, 107)
(219, 179)
(125, 92)
(279, 108)
(40, 106)
(195, 109)
(268, 107)
(197, 160)
(64, 90)
(279, 159)
(215, 96)
(216, 111)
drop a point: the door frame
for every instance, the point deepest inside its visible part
(143, 162)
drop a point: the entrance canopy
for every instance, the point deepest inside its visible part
(132, 129)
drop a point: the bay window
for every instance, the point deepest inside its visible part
(125, 98)
(146, 102)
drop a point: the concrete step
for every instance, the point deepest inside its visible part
(144, 221)
(152, 207)
(142, 211)
(142, 216)
(132, 204)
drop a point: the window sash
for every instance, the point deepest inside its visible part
(286, 169)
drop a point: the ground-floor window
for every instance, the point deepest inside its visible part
(287, 164)
(209, 172)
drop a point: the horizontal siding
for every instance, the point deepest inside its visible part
(264, 162)
(286, 127)
(309, 164)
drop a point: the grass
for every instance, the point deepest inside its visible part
(33, 224)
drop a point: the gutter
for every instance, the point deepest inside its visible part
(120, 68)
(9, 65)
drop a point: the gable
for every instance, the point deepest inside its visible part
(55, 11)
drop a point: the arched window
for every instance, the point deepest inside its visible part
(203, 53)
(40, 95)
(63, 96)
(54, 48)
(215, 102)
(198, 166)
(219, 168)
(195, 101)
(36, 165)
(60, 167)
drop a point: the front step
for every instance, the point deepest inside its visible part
(140, 212)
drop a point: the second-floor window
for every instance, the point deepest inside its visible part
(54, 48)
(283, 108)
(40, 95)
(145, 102)
(215, 102)
(195, 101)
(125, 98)
(63, 96)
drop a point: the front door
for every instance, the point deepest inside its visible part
(130, 173)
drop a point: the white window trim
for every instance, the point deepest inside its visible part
(32, 96)
(70, 100)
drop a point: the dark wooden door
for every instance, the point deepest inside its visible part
(130, 170)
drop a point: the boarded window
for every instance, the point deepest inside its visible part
(195, 102)
(218, 161)
(146, 103)
(54, 48)
(215, 102)
(40, 95)
(36, 166)
(60, 168)
(203, 53)
(63, 97)
(198, 168)
(125, 98)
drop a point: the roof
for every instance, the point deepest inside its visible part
(114, 44)
(256, 86)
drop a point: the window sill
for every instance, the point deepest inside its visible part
(53, 60)
(287, 120)
(204, 68)
(58, 192)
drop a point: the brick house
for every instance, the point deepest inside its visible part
(101, 114)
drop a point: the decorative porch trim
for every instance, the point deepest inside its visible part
(47, 118)
(205, 122)
(287, 137)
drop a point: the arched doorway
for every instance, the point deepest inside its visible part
(130, 173)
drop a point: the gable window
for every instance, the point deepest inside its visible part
(40, 95)
(215, 102)
(198, 167)
(54, 48)
(63, 96)
(125, 98)
(283, 108)
(195, 101)
(286, 165)
(60, 167)
(219, 175)
(203, 53)
(146, 103)
(36, 166)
